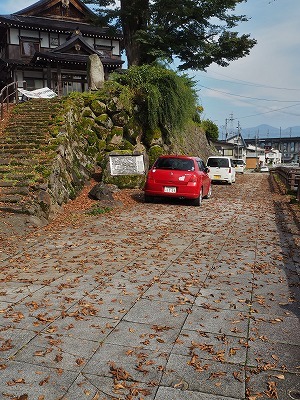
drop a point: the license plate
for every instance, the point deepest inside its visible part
(217, 176)
(169, 189)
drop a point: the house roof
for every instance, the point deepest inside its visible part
(74, 51)
(42, 59)
(41, 7)
(70, 44)
(49, 15)
(238, 136)
(62, 58)
(53, 25)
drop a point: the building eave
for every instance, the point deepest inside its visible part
(58, 26)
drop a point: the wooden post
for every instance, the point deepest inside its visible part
(49, 83)
(59, 83)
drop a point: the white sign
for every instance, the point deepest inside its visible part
(126, 164)
(44, 93)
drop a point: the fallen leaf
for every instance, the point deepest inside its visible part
(280, 376)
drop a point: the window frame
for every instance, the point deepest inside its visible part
(34, 45)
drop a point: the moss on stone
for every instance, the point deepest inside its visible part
(127, 145)
(114, 105)
(125, 181)
(87, 112)
(152, 137)
(91, 137)
(92, 151)
(101, 131)
(101, 145)
(121, 118)
(114, 138)
(154, 153)
(98, 107)
(117, 131)
(133, 130)
(104, 120)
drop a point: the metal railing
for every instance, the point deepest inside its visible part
(9, 94)
(290, 176)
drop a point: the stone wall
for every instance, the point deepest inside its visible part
(94, 128)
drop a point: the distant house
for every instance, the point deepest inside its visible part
(234, 147)
(273, 157)
(255, 157)
(49, 42)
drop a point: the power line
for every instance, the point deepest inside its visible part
(267, 112)
(247, 83)
(248, 97)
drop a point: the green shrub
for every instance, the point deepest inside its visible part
(163, 97)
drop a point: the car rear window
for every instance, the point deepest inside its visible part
(175, 163)
(238, 162)
(218, 162)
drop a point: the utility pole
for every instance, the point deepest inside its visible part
(231, 124)
(239, 135)
(280, 140)
(256, 155)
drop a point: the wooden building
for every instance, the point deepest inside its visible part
(49, 42)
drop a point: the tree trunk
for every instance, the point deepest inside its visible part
(134, 18)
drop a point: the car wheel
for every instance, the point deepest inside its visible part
(198, 201)
(209, 192)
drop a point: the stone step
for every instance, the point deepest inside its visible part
(26, 152)
(41, 119)
(13, 183)
(21, 159)
(20, 177)
(25, 138)
(4, 169)
(25, 149)
(22, 190)
(6, 160)
(13, 147)
(13, 132)
(11, 198)
(16, 208)
(25, 142)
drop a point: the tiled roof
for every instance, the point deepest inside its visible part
(67, 58)
(56, 25)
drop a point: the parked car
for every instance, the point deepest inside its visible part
(264, 168)
(239, 165)
(180, 177)
(221, 169)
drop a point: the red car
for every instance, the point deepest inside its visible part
(178, 177)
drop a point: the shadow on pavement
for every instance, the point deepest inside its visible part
(288, 222)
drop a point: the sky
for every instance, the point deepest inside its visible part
(261, 88)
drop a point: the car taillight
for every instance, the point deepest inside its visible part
(192, 181)
(229, 170)
(193, 178)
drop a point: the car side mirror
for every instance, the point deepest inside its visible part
(206, 169)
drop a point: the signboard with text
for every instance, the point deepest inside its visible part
(123, 164)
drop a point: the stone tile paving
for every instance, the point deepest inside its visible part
(157, 301)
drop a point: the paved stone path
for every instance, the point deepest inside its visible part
(160, 301)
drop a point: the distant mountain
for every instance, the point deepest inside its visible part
(265, 131)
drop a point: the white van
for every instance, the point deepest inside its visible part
(221, 169)
(239, 165)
